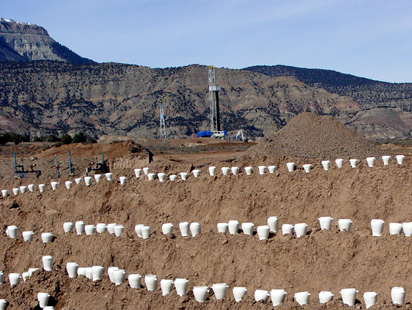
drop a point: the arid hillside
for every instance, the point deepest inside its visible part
(320, 260)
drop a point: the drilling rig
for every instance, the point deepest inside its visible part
(215, 126)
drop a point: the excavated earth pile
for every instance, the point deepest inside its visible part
(309, 135)
(319, 261)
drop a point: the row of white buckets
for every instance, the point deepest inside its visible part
(194, 228)
(248, 170)
(184, 175)
(201, 293)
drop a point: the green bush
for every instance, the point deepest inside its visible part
(66, 139)
(79, 138)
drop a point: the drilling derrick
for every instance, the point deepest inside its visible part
(214, 102)
(162, 133)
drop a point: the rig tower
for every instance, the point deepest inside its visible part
(214, 102)
(162, 133)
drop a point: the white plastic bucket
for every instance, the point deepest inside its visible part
(110, 228)
(151, 176)
(118, 276)
(89, 229)
(110, 272)
(23, 189)
(137, 172)
(3, 304)
(222, 227)
(146, 170)
(399, 159)
(325, 165)
(194, 228)
(300, 229)
(196, 173)
(14, 278)
(385, 160)
(43, 299)
(261, 169)
(71, 269)
(97, 272)
(325, 222)
(145, 232)
(395, 228)
(273, 223)
(87, 180)
(201, 293)
(398, 295)
(151, 282)
(339, 162)
(109, 176)
(28, 235)
(68, 184)
(184, 229)
(5, 192)
(235, 170)
(233, 226)
(47, 262)
(79, 227)
(325, 296)
(302, 298)
(101, 228)
(261, 295)
(370, 161)
(54, 185)
(307, 167)
(166, 286)
(349, 296)
(183, 175)
(46, 237)
(118, 230)
(287, 229)
(11, 231)
(97, 177)
(353, 162)
(212, 171)
(42, 187)
(31, 187)
(345, 224)
(290, 166)
(219, 289)
(134, 280)
(181, 286)
(407, 228)
(248, 170)
(247, 228)
(77, 180)
(167, 228)
(277, 296)
(271, 169)
(370, 299)
(122, 180)
(138, 230)
(239, 292)
(161, 176)
(225, 170)
(377, 227)
(173, 177)
(15, 191)
(263, 232)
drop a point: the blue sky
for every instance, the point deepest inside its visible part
(367, 38)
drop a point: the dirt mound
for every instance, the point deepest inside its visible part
(310, 135)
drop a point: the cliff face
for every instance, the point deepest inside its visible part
(52, 98)
(26, 42)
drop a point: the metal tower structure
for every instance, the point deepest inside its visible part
(162, 134)
(214, 101)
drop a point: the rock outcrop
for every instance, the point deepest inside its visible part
(27, 42)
